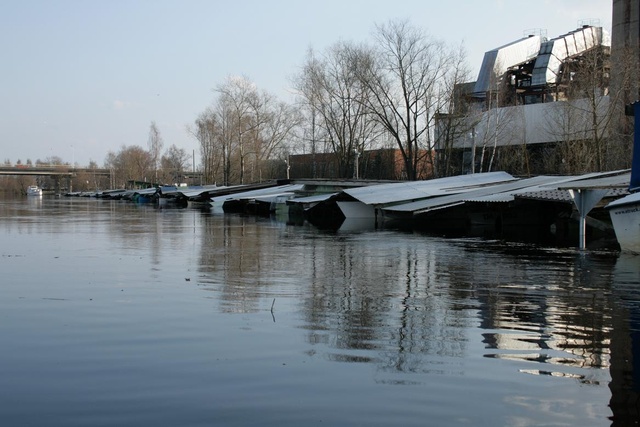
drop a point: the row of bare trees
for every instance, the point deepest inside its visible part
(244, 134)
(350, 98)
(134, 163)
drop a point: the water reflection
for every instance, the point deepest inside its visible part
(407, 303)
(530, 335)
(563, 321)
(625, 342)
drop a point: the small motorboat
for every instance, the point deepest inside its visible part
(34, 190)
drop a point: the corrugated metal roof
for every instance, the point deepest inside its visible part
(145, 191)
(311, 199)
(547, 195)
(630, 199)
(545, 188)
(499, 192)
(563, 195)
(197, 191)
(259, 192)
(266, 197)
(385, 194)
(615, 179)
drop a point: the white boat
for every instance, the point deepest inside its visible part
(34, 190)
(625, 216)
(625, 212)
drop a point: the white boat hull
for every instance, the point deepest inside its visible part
(625, 216)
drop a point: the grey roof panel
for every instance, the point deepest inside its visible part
(312, 199)
(615, 179)
(258, 192)
(549, 188)
(385, 194)
(499, 192)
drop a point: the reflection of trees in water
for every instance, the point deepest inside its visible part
(144, 227)
(408, 302)
(412, 303)
(241, 258)
(382, 296)
(32, 215)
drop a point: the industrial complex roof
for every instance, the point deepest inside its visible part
(497, 61)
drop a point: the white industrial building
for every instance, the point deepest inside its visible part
(522, 97)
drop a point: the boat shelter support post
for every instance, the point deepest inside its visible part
(585, 200)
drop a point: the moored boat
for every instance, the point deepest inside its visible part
(34, 191)
(625, 216)
(625, 212)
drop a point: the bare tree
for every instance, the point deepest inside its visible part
(132, 163)
(242, 131)
(313, 137)
(174, 163)
(214, 129)
(405, 74)
(205, 131)
(236, 97)
(332, 88)
(274, 123)
(155, 144)
(450, 125)
(583, 118)
(50, 161)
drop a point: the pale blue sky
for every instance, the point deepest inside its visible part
(82, 77)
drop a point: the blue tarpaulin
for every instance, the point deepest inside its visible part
(634, 183)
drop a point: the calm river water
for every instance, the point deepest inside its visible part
(113, 314)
